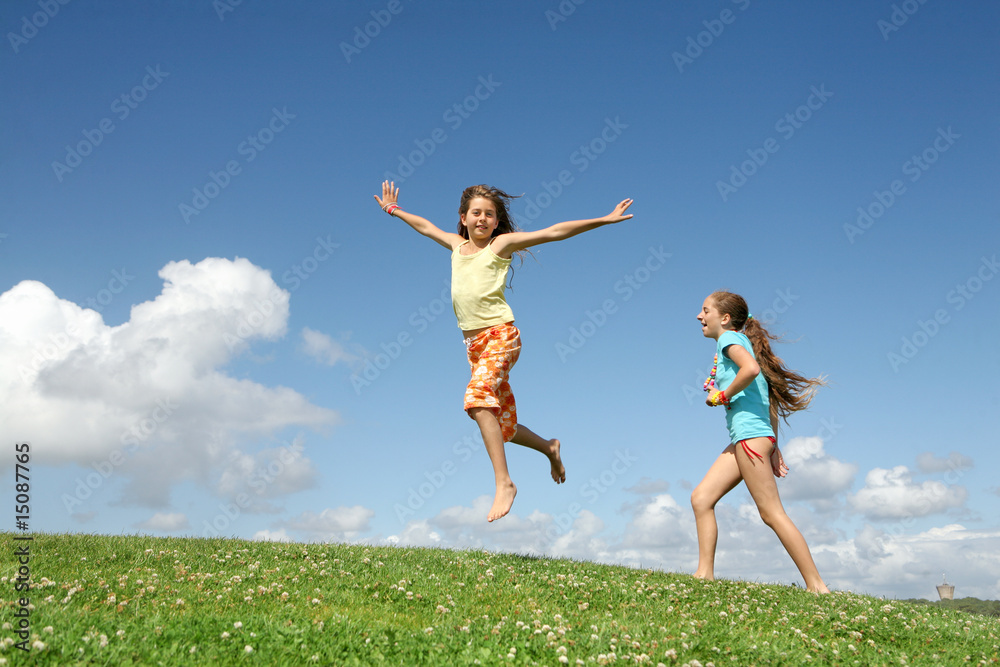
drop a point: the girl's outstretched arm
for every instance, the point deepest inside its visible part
(389, 203)
(507, 244)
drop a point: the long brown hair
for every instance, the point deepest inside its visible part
(505, 222)
(787, 391)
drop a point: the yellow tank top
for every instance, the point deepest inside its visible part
(477, 289)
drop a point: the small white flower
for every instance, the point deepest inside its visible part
(248, 649)
(238, 625)
(225, 635)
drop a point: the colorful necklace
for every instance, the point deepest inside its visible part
(710, 382)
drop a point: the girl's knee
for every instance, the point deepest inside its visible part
(700, 500)
(772, 517)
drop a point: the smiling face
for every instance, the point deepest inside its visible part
(481, 219)
(713, 323)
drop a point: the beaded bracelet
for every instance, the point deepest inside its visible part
(719, 398)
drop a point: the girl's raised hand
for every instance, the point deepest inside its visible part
(390, 194)
(618, 214)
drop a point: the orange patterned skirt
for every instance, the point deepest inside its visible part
(492, 353)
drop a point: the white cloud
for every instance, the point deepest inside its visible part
(325, 349)
(270, 473)
(166, 522)
(339, 523)
(148, 399)
(813, 474)
(659, 524)
(892, 494)
(648, 485)
(928, 463)
(907, 565)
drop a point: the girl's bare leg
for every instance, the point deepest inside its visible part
(528, 438)
(720, 479)
(493, 439)
(759, 478)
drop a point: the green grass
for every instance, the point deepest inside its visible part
(134, 600)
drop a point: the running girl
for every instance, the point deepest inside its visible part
(756, 388)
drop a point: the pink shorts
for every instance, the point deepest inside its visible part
(492, 354)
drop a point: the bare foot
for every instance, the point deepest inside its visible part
(558, 469)
(502, 502)
(820, 590)
(704, 577)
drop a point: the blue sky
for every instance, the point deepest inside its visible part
(209, 327)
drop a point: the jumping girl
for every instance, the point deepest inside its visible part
(480, 258)
(756, 388)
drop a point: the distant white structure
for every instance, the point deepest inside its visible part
(945, 590)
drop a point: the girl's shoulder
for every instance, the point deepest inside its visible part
(734, 338)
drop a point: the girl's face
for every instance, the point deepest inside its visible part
(481, 218)
(713, 323)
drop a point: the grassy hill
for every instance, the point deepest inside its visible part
(134, 600)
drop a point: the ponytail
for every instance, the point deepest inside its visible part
(787, 391)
